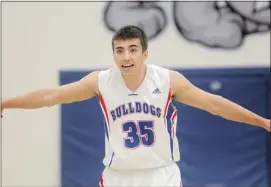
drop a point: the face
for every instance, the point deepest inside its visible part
(129, 56)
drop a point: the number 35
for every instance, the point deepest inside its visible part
(140, 132)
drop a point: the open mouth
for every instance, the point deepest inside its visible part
(126, 66)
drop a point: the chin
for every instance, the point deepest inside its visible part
(128, 71)
(125, 72)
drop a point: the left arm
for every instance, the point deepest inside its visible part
(185, 92)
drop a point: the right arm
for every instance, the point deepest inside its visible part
(85, 88)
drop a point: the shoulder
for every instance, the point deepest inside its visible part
(177, 81)
(157, 67)
(108, 75)
(93, 78)
(170, 72)
(91, 81)
(159, 71)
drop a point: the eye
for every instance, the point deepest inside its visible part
(133, 50)
(119, 51)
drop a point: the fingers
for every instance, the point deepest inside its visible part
(268, 126)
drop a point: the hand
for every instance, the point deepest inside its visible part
(2, 109)
(267, 125)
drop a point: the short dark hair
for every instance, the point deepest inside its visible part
(131, 32)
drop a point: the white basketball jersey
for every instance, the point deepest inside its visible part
(140, 126)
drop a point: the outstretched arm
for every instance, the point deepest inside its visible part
(185, 92)
(73, 92)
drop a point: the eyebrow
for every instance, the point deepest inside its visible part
(129, 46)
(133, 46)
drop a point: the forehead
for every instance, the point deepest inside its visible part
(127, 43)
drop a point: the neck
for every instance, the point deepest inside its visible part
(133, 81)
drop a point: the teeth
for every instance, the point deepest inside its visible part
(127, 65)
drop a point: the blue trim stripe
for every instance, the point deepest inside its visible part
(132, 94)
(105, 128)
(111, 159)
(170, 112)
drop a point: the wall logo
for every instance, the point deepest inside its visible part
(221, 24)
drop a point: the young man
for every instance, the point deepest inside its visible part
(136, 99)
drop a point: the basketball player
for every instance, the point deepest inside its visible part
(136, 99)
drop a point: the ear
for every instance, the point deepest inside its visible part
(145, 54)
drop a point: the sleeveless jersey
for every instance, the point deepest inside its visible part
(140, 126)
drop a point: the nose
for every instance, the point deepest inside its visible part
(126, 55)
